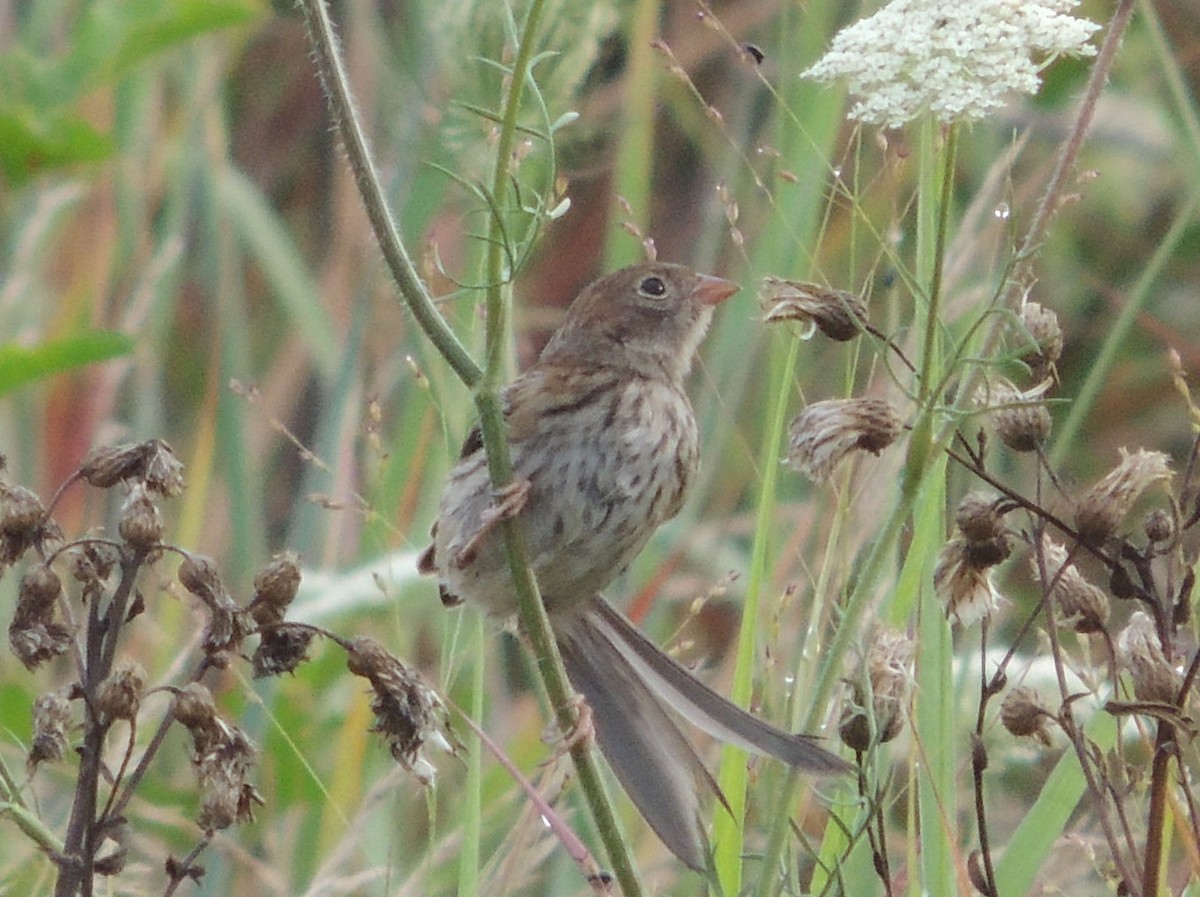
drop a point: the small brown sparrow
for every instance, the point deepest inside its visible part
(604, 446)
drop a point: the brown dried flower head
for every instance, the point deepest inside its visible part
(51, 719)
(1024, 714)
(965, 588)
(281, 648)
(121, 693)
(883, 685)
(1084, 606)
(275, 588)
(980, 519)
(153, 462)
(1041, 324)
(34, 635)
(1021, 421)
(141, 524)
(222, 756)
(1103, 508)
(839, 315)
(228, 623)
(1155, 680)
(408, 713)
(22, 523)
(1159, 527)
(827, 432)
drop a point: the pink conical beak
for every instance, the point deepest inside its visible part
(710, 290)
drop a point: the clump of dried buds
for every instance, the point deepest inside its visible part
(1155, 680)
(827, 432)
(1101, 510)
(23, 523)
(51, 718)
(141, 524)
(839, 315)
(1021, 421)
(35, 635)
(222, 755)
(408, 713)
(228, 623)
(153, 463)
(876, 713)
(282, 646)
(1084, 606)
(1024, 714)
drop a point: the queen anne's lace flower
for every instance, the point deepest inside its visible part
(956, 58)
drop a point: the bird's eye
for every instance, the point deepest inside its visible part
(652, 286)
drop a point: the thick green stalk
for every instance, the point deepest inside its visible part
(532, 612)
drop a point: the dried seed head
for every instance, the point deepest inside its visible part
(1102, 508)
(839, 315)
(981, 521)
(1042, 326)
(22, 523)
(281, 649)
(1084, 606)
(141, 524)
(92, 562)
(51, 719)
(408, 713)
(1155, 680)
(1023, 714)
(883, 685)
(826, 432)
(274, 589)
(1159, 527)
(120, 694)
(153, 462)
(966, 589)
(34, 635)
(228, 623)
(222, 756)
(1021, 421)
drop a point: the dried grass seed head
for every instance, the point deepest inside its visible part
(827, 432)
(408, 713)
(1155, 679)
(1083, 605)
(838, 314)
(1103, 508)
(1024, 714)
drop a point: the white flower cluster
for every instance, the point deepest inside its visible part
(956, 58)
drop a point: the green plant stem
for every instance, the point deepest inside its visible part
(336, 82)
(532, 612)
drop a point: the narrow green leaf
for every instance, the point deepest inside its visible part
(20, 365)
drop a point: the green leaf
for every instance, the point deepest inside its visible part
(20, 365)
(35, 140)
